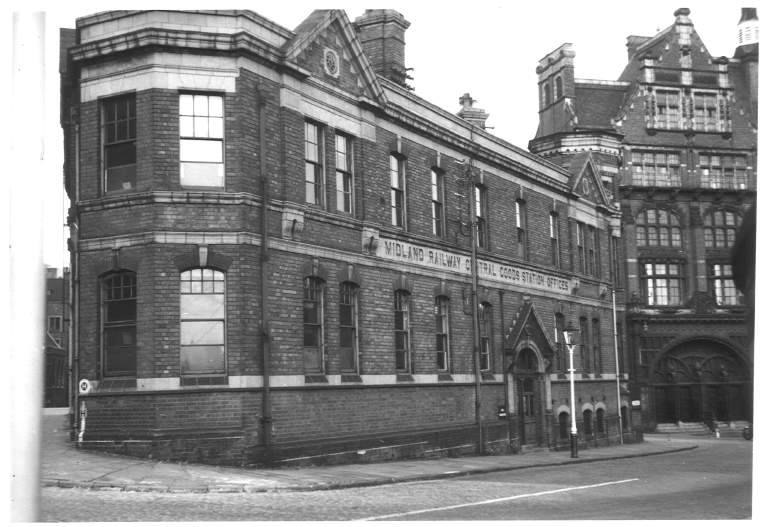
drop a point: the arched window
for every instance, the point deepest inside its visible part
(657, 228)
(558, 87)
(118, 324)
(563, 420)
(600, 420)
(203, 311)
(547, 94)
(587, 417)
(314, 331)
(720, 228)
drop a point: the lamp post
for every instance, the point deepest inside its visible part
(569, 335)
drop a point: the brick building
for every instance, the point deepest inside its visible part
(283, 254)
(56, 391)
(675, 139)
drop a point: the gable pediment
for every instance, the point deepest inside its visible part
(586, 183)
(527, 327)
(326, 46)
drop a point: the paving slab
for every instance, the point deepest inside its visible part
(64, 465)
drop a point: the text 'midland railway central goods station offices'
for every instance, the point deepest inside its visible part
(273, 241)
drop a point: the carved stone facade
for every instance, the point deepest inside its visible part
(684, 173)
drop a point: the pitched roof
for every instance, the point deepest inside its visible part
(597, 103)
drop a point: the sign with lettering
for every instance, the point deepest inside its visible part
(428, 257)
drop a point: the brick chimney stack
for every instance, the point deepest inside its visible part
(476, 116)
(382, 35)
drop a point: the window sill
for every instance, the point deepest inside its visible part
(109, 385)
(208, 380)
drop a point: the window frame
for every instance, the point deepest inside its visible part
(442, 309)
(705, 116)
(521, 228)
(718, 233)
(586, 420)
(656, 168)
(720, 284)
(121, 327)
(597, 362)
(728, 172)
(352, 327)
(481, 216)
(591, 244)
(437, 188)
(345, 180)
(402, 300)
(485, 328)
(217, 280)
(315, 287)
(398, 192)
(314, 159)
(667, 299)
(554, 238)
(649, 221)
(580, 247)
(199, 140)
(616, 261)
(668, 109)
(59, 327)
(586, 344)
(600, 421)
(130, 140)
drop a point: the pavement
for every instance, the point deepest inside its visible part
(64, 465)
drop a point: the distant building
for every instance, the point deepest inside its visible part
(675, 139)
(272, 239)
(56, 338)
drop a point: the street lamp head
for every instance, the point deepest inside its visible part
(570, 334)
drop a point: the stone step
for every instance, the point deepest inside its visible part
(682, 428)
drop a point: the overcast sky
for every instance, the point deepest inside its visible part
(487, 48)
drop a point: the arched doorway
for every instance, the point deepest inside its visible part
(528, 383)
(700, 380)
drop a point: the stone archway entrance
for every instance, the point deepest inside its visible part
(700, 380)
(528, 382)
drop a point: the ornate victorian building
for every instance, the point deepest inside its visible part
(283, 254)
(675, 139)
